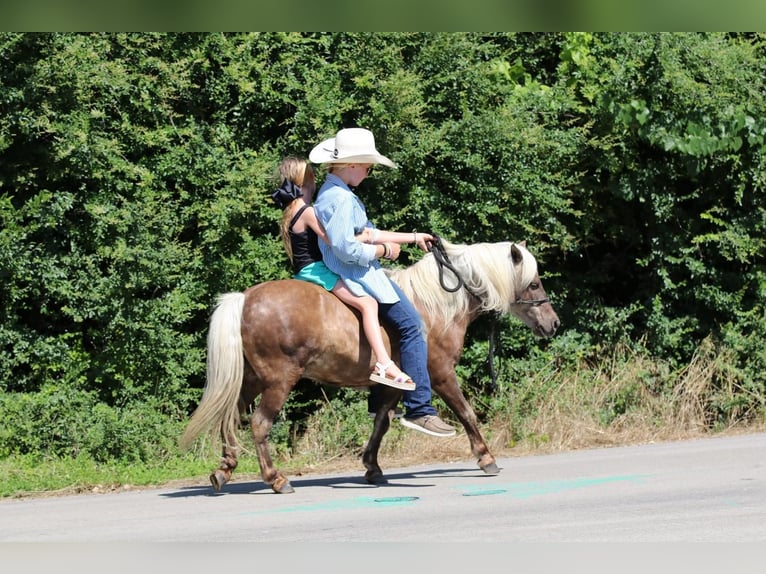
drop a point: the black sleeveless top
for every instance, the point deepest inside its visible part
(305, 245)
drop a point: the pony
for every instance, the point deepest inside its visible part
(263, 340)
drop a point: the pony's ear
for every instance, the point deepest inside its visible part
(516, 255)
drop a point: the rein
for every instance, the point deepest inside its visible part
(442, 261)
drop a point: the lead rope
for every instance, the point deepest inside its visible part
(442, 260)
(491, 357)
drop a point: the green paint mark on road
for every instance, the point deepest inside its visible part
(393, 500)
(528, 489)
(354, 503)
(520, 490)
(486, 492)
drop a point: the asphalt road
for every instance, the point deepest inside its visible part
(710, 490)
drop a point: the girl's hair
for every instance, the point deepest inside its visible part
(291, 168)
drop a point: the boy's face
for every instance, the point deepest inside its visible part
(358, 172)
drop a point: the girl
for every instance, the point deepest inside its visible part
(301, 232)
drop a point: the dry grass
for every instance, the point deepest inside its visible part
(572, 416)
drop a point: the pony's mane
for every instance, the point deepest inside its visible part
(487, 270)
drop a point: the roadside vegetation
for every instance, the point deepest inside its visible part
(549, 406)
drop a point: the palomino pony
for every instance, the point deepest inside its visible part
(262, 341)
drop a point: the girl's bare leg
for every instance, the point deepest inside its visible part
(368, 307)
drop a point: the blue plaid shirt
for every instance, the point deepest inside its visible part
(343, 215)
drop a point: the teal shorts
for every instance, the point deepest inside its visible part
(318, 273)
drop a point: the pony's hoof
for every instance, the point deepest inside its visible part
(491, 469)
(218, 479)
(282, 486)
(375, 477)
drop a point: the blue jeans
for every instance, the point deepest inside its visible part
(413, 350)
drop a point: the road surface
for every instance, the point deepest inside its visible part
(709, 490)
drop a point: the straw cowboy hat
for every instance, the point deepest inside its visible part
(350, 145)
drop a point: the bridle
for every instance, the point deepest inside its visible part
(533, 302)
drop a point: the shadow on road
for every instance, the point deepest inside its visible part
(351, 482)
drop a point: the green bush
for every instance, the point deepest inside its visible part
(59, 422)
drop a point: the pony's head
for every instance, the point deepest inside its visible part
(531, 304)
(453, 281)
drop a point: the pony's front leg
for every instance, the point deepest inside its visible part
(449, 390)
(222, 474)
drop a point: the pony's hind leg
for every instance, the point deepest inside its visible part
(272, 400)
(385, 399)
(222, 474)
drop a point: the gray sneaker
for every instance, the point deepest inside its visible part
(429, 424)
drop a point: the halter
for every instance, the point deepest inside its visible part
(533, 302)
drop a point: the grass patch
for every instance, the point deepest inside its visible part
(27, 475)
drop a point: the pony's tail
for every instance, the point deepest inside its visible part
(218, 410)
